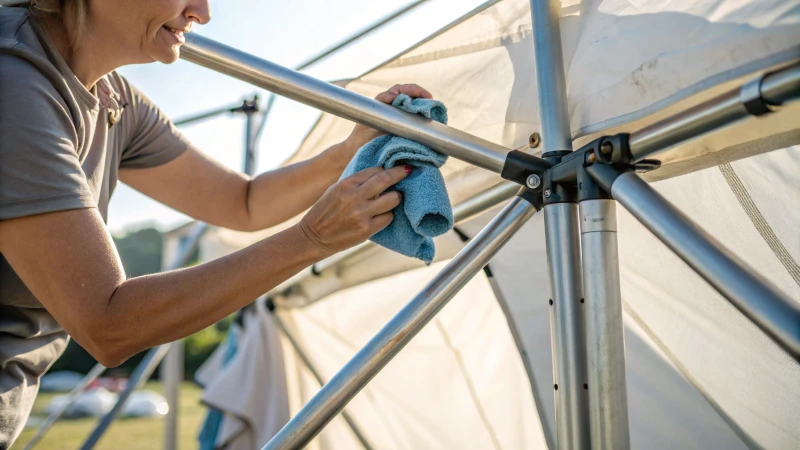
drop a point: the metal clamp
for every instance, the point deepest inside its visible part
(753, 101)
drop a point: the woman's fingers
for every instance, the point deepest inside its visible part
(411, 90)
(385, 202)
(382, 180)
(380, 222)
(362, 176)
(353, 209)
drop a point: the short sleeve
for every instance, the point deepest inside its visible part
(154, 139)
(39, 167)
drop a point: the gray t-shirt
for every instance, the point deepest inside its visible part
(61, 147)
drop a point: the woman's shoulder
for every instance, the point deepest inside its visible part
(24, 62)
(17, 31)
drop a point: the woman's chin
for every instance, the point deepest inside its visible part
(168, 55)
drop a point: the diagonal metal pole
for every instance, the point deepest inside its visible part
(331, 50)
(766, 306)
(343, 103)
(139, 376)
(561, 232)
(335, 395)
(73, 395)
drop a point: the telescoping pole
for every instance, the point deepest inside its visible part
(561, 231)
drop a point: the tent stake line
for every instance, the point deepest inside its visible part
(333, 397)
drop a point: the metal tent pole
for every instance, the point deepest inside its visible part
(561, 230)
(343, 103)
(249, 108)
(171, 377)
(139, 376)
(172, 369)
(330, 400)
(566, 321)
(358, 35)
(73, 395)
(605, 342)
(331, 50)
(769, 308)
(759, 96)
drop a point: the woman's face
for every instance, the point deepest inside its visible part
(146, 30)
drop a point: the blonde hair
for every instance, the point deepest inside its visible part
(72, 13)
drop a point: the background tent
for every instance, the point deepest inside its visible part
(700, 375)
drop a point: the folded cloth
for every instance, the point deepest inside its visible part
(425, 211)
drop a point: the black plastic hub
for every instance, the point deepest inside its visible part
(586, 173)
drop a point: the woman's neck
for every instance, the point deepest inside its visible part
(89, 60)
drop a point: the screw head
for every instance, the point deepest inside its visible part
(547, 193)
(606, 148)
(534, 140)
(533, 181)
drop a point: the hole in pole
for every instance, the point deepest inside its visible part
(555, 386)
(585, 386)
(551, 301)
(581, 300)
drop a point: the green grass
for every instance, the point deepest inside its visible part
(134, 433)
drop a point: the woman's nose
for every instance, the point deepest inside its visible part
(198, 11)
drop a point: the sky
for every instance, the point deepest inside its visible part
(284, 32)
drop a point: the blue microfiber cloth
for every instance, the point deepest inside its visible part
(425, 211)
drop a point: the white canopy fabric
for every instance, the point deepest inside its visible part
(700, 375)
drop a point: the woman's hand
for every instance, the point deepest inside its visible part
(353, 209)
(362, 134)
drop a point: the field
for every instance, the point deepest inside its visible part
(68, 434)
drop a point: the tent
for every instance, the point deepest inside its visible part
(480, 375)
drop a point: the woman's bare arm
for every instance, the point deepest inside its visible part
(68, 260)
(204, 189)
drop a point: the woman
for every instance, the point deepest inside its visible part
(69, 128)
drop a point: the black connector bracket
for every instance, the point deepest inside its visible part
(519, 166)
(572, 176)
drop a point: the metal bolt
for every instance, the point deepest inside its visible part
(547, 193)
(606, 148)
(590, 157)
(533, 181)
(534, 140)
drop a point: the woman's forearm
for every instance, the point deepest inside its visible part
(276, 196)
(155, 309)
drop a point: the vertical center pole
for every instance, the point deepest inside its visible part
(566, 324)
(171, 376)
(561, 230)
(605, 344)
(551, 83)
(249, 142)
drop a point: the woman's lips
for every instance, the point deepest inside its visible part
(175, 33)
